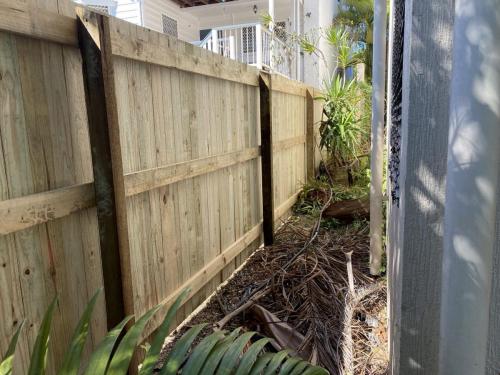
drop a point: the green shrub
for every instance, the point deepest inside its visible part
(219, 353)
(343, 128)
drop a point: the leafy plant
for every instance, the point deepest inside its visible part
(218, 353)
(348, 55)
(343, 127)
(313, 196)
(357, 16)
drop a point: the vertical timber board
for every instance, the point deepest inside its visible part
(416, 286)
(317, 117)
(117, 162)
(99, 29)
(44, 146)
(103, 171)
(310, 146)
(266, 135)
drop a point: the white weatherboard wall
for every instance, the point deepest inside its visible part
(188, 26)
(241, 12)
(129, 10)
(318, 14)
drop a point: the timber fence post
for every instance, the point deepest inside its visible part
(266, 134)
(89, 38)
(310, 146)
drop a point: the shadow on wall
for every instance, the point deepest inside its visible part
(418, 254)
(429, 125)
(471, 236)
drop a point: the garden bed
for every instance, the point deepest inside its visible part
(306, 299)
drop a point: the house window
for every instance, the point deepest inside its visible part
(100, 8)
(169, 25)
(248, 39)
(280, 30)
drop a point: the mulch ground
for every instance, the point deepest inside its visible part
(343, 329)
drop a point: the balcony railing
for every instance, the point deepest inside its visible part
(252, 44)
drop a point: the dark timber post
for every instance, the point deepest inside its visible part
(266, 136)
(310, 162)
(103, 170)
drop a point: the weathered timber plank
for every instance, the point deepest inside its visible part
(146, 180)
(288, 143)
(310, 144)
(289, 86)
(21, 213)
(102, 167)
(203, 276)
(109, 82)
(21, 18)
(285, 206)
(172, 53)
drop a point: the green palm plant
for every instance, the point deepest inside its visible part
(343, 128)
(341, 39)
(218, 353)
(358, 15)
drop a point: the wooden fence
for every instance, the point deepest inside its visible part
(136, 162)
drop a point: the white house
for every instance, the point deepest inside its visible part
(234, 28)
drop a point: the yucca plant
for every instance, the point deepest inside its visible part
(218, 353)
(344, 126)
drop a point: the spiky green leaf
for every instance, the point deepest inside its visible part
(261, 363)
(155, 349)
(121, 359)
(218, 352)
(289, 365)
(249, 358)
(8, 359)
(232, 355)
(316, 370)
(299, 368)
(200, 353)
(71, 362)
(178, 353)
(101, 357)
(276, 362)
(39, 355)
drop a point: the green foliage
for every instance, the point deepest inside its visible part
(217, 353)
(344, 126)
(358, 16)
(341, 39)
(6, 363)
(312, 197)
(38, 360)
(71, 362)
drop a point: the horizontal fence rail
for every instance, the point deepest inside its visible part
(146, 147)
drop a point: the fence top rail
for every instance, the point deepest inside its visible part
(289, 86)
(135, 42)
(138, 43)
(21, 18)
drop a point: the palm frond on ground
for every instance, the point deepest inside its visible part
(219, 353)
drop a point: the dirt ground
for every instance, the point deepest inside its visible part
(343, 330)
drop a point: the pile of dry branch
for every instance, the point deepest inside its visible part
(310, 292)
(307, 299)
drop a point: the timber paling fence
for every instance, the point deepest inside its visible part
(134, 162)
